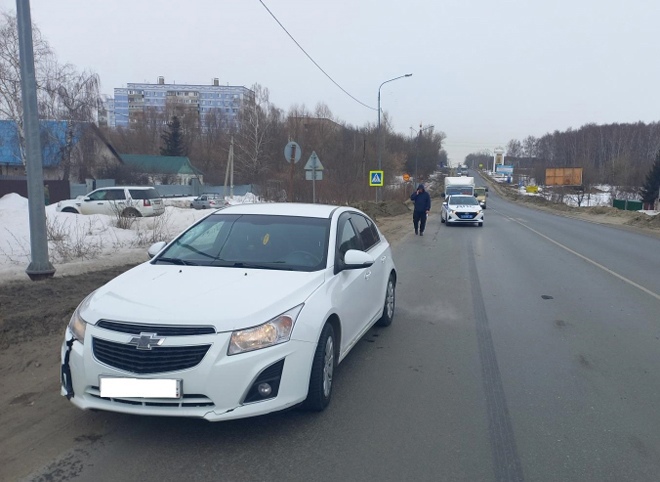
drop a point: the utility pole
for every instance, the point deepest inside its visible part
(40, 266)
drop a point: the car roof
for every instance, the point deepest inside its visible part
(285, 209)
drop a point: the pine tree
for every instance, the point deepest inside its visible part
(174, 143)
(649, 191)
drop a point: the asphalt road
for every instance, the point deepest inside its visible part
(528, 349)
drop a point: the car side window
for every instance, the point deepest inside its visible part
(115, 195)
(98, 195)
(366, 233)
(347, 238)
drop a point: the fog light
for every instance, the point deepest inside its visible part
(264, 389)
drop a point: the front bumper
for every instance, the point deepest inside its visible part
(459, 217)
(215, 389)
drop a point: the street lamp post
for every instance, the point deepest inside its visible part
(380, 164)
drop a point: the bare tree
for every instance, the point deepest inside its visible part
(256, 119)
(11, 102)
(514, 148)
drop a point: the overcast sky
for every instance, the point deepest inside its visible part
(484, 71)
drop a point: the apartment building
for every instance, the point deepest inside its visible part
(136, 99)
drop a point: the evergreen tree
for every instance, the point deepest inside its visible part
(174, 143)
(649, 191)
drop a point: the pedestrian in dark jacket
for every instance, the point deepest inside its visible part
(421, 210)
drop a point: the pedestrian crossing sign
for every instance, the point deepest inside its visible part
(376, 178)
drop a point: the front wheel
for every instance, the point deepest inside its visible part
(323, 368)
(390, 303)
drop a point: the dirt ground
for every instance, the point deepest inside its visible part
(36, 423)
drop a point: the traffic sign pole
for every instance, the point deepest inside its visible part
(293, 163)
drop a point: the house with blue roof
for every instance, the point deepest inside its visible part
(62, 153)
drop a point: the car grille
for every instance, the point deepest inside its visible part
(157, 360)
(461, 215)
(160, 330)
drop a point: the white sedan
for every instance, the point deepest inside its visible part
(462, 209)
(246, 312)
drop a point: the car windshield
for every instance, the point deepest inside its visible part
(464, 200)
(252, 241)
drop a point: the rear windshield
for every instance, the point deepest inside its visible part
(144, 193)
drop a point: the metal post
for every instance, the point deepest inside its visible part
(380, 164)
(231, 171)
(419, 136)
(293, 163)
(40, 266)
(314, 183)
(378, 143)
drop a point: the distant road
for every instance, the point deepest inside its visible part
(528, 349)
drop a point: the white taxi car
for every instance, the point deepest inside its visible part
(246, 312)
(461, 209)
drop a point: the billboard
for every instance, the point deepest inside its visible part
(504, 169)
(563, 176)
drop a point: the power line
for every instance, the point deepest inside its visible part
(313, 61)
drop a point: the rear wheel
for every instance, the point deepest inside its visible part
(131, 213)
(323, 368)
(390, 303)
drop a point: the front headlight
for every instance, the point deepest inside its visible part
(77, 324)
(273, 332)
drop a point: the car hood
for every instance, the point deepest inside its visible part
(226, 298)
(464, 207)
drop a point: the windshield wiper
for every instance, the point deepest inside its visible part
(243, 264)
(194, 250)
(176, 261)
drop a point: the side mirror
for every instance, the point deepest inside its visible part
(86, 199)
(356, 259)
(156, 248)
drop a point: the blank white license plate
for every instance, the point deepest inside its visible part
(139, 388)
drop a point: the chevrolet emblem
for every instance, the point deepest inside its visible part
(146, 341)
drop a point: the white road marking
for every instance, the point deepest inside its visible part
(588, 260)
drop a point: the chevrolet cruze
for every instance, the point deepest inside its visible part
(246, 312)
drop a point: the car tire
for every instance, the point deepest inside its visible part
(480, 224)
(390, 303)
(70, 210)
(442, 220)
(131, 213)
(323, 368)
